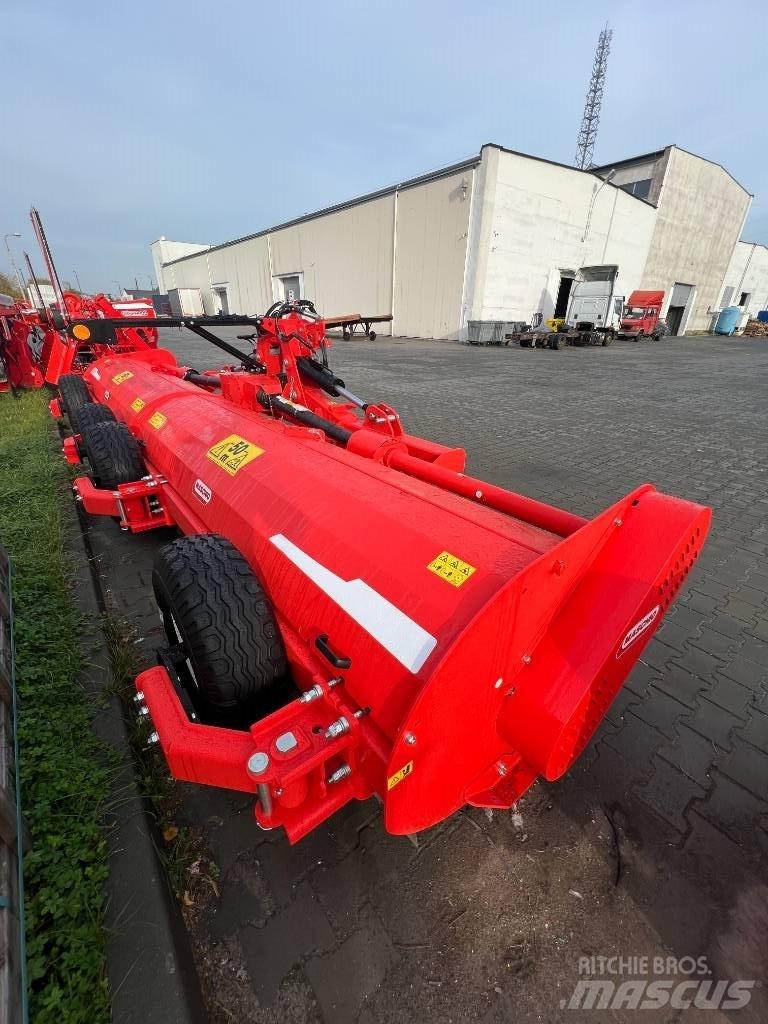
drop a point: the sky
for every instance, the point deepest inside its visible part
(206, 122)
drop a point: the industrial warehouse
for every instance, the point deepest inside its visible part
(498, 237)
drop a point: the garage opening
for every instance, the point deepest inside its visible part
(564, 292)
(679, 307)
(221, 299)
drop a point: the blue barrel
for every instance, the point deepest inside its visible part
(728, 320)
(762, 316)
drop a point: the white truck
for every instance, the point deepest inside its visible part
(594, 310)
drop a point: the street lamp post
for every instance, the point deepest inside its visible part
(79, 286)
(14, 234)
(119, 286)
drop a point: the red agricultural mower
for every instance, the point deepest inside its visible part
(35, 348)
(348, 613)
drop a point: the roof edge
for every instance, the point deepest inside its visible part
(422, 179)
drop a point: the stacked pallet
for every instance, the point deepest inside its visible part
(756, 329)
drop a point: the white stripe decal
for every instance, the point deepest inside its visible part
(401, 636)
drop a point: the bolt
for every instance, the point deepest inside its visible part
(152, 739)
(501, 768)
(410, 739)
(511, 692)
(337, 728)
(478, 494)
(335, 681)
(526, 659)
(498, 684)
(617, 522)
(139, 697)
(339, 774)
(143, 711)
(257, 763)
(312, 694)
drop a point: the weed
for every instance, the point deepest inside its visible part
(65, 771)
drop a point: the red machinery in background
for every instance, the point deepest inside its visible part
(349, 613)
(35, 347)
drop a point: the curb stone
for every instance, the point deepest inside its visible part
(149, 958)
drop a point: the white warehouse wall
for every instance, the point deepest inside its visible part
(747, 272)
(164, 250)
(701, 213)
(430, 255)
(536, 219)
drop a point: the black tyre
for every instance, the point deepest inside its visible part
(232, 661)
(558, 342)
(74, 393)
(607, 338)
(345, 335)
(113, 453)
(89, 414)
(372, 335)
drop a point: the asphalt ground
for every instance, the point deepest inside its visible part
(653, 846)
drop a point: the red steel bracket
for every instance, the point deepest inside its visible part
(138, 506)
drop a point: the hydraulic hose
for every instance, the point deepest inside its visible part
(308, 419)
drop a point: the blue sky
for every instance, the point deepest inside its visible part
(204, 122)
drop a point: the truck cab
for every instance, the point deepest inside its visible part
(641, 317)
(594, 310)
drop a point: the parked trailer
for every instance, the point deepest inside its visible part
(350, 322)
(348, 613)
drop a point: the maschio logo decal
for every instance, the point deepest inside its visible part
(638, 629)
(203, 491)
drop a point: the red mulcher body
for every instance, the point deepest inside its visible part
(451, 640)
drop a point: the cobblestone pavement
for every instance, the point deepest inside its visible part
(656, 842)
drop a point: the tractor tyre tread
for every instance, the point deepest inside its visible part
(74, 393)
(228, 628)
(89, 414)
(113, 453)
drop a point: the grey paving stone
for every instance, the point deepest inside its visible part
(345, 978)
(736, 812)
(692, 754)
(756, 730)
(749, 767)
(714, 723)
(287, 939)
(668, 792)
(661, 711)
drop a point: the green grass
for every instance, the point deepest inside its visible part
(65, 772)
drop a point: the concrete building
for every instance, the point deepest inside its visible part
(499, 236)
(746, 279)
(700, 214)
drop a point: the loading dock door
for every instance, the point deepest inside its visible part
(563, 294)
(678, 302)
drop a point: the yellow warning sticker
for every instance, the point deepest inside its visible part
(121, 378)
(233, 453)
(393, 780)
(450, 568)
(158, 420)
(138, 404)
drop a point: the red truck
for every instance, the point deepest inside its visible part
(641, 317)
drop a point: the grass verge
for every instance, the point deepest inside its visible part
(64, 769)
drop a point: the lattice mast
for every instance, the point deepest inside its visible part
(589, 123)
